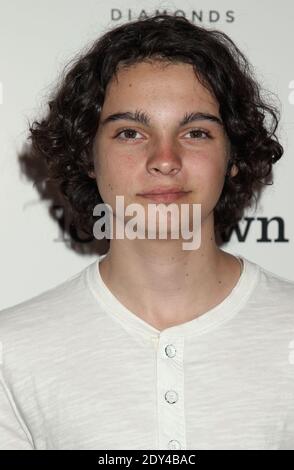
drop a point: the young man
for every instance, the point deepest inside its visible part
(152, 346)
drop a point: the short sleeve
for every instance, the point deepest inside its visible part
(14, 434)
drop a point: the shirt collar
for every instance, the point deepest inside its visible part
(205, 322)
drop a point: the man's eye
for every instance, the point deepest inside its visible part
(131, 133)
(128, 132)
(199, 132)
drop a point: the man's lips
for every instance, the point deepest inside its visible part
(161, 190)
(164, 195)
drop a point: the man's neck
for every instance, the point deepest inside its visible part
(166, 286)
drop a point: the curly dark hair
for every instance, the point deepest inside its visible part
(64, 137)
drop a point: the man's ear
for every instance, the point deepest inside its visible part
(234, 170)
(92, 174)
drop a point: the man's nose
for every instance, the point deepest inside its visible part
(164, 159)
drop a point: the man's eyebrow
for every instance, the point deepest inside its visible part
(200, 116)
(137, 116)
(143, 118)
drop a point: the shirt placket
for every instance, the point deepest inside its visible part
(170, 392)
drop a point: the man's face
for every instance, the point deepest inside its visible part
(192, 156)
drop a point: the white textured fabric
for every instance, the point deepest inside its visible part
(81, 371)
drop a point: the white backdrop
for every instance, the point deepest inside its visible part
(38, 38)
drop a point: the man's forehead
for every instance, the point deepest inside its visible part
(126, 72)
(177, 86)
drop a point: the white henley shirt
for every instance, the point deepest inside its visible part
(78, 370)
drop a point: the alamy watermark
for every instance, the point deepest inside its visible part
(175, 220)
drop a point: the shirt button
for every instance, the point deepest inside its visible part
(171, 396)
(174, 444)
(170, 350)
